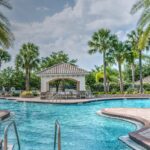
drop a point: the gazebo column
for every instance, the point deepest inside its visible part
(44, 85)
(82, 84)
(78, 86)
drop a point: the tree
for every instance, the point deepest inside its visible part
(56, 58)
(4, 56)
(28, 60)
(6, 36)
(143, 5)
(139, 42)
(118, 53)
(131, 54)
(100, 42)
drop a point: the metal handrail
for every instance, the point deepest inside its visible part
(57, 133)
(6, 135)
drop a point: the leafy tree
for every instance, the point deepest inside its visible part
(119, 52)
(28, 60)
(4, 56)
(55, 58)
(131, 54)
(100, 42)
(139, 43)
(6, 36)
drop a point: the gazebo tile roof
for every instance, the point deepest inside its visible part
(63, 68)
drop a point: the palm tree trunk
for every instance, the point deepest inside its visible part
(105, 79)
(140, 66)
(0, 64)
(120, 76)
(133, 75)
(27, 79)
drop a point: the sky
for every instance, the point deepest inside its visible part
(68, 25)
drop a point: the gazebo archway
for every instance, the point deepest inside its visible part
(63, 84)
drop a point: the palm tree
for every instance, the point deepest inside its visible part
(139, 42)
(4, 56)
(143, 5)
(100, 42)
(118, 53)
(6, 36)
(131, 55)
(27, 59)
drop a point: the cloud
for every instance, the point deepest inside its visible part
(42, 8)
(70, 29)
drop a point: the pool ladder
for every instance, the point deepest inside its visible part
(4, 143)
(57, 136)
(5, 146)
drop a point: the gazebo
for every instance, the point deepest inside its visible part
(62, 71)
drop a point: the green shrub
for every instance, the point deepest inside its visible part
(27, 94)
(35, 93)
(16, 94)
(114, 87)
(146, 87)
(146, 92)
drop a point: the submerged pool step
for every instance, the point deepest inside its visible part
(131, 143)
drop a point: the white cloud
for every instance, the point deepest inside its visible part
(71, 28)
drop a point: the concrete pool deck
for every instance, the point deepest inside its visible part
(142, 115)
(76, 101)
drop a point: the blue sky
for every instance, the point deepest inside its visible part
(67, 25)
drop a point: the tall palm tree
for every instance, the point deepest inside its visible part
(6, 36)
(131, 55)
(100, 42)
(140, 42)
(143, 5)
(4, 57)
(119, 52)
(27, 59)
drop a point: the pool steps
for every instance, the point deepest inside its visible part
(126, 139)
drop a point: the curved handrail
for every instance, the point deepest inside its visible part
(6, 135)
(57, 133)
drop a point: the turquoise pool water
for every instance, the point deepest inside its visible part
(82, 128)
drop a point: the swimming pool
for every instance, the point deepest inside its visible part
(82, 128)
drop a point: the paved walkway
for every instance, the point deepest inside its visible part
(142, 115)
(75, 101)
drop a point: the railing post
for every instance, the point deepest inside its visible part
(57, 133)
(6, 135)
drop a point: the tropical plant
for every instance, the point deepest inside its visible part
(4, 57)
(118, 52)
(143, 5)
(131, 54)
(6, 36)
(139, 42)
(28, 60)
(55, 58)
(100, 42)
(111, 75)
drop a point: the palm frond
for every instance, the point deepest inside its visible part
(5, 3)
(137, 6)
(144, 19)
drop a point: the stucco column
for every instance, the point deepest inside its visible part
(82, 84)
(44, 85)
